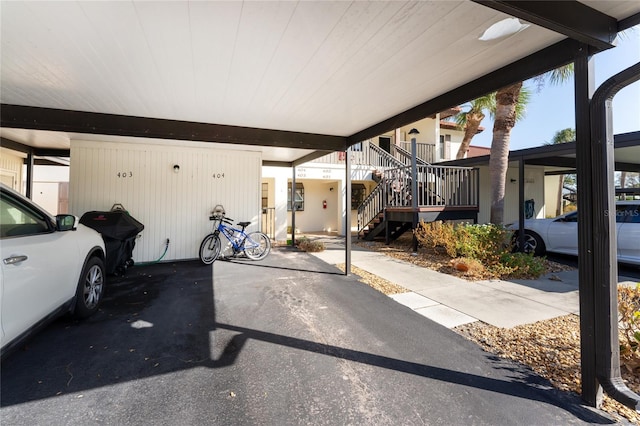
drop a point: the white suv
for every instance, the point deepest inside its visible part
(49, 266)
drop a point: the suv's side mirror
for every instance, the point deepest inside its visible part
(66, 222)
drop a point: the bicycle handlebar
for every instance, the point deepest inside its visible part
(227, 220)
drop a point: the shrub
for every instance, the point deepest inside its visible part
(520, 265)
(629, 326)
(437, 235)
(305, 244)
(488, 244)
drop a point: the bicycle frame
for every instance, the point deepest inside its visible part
(237, 237)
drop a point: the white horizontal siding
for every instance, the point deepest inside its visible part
(11, 169)
(170, 205)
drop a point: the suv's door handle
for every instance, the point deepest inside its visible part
(14, 259)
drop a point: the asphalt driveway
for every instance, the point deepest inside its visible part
(287, 340)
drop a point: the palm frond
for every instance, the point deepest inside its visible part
(561, 75)
(523, 101)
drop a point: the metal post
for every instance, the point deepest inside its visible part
(347, 220)
(30, 163)
(584, 87)
(414, 189)
(521, 202)
(293, 208)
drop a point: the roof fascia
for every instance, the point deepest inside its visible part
(310, 157)
(631, 21)
(627, 167)
(48, 162)
(36, 118)
(622, 140)
(571, 18)
(268, 163)
(568, 162)
(549, 58)
(16, 146)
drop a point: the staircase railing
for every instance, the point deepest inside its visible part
(372, 205)
(438, 186)
(381, 159)
(424, 151)
(405, 156)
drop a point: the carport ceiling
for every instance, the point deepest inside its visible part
(308, 75)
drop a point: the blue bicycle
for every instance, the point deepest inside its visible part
(255, 245)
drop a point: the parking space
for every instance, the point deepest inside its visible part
(287, 340)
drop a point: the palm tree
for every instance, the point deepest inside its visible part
(470, 120)
(505, 118)
(506, 100)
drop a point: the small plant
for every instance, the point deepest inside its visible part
(629, 326)
(310, 246)
(521, 265)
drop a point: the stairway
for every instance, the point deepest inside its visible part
(443, 193)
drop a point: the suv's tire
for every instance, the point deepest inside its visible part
(90, 288)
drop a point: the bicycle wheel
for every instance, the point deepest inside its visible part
(210, 249)
(257, 246)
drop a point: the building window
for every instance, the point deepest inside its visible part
(445, 143)
(358, 194)
(265, 195)
(299, 197)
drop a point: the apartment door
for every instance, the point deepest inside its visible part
(385, 143)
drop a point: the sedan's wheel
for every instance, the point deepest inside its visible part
(90, 288)
(532, 243)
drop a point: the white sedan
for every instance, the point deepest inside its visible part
(50, 266)
(560, 234)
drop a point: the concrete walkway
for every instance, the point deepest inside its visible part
(452, 301)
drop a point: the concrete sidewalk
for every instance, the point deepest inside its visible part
(452, 301)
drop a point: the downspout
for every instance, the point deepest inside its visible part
(604, 238)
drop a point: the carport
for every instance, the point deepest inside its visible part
(560, 159)
(296, 80)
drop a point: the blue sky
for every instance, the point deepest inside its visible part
(551, 109)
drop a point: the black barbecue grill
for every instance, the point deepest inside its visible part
(119, 230)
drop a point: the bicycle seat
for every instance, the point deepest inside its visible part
(244, 224)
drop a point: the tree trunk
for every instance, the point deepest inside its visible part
(474, 118)
(505, 118)
(560, 189)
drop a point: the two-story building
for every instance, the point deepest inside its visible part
(320, 185)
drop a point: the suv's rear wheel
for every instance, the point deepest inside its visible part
(90, 288)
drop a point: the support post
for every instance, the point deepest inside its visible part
(293, 208)
(30, 163)
(521, 204)
(414, 189)
(584, 88)
(347, 219)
